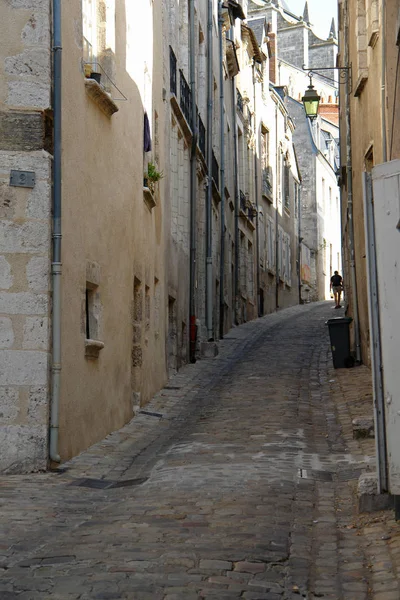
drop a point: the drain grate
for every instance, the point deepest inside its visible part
(129, 482)
(96, 484)
(151, 414)
(316, 475)
(106, 484)
(172, 387)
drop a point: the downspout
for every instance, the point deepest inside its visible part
(256, 193)
(383, 100)
(276, 211)
(193, 186)
(56, 239)
(349, 169)
(222, 175)
(236, 187)
(210, 91)
(299, 237)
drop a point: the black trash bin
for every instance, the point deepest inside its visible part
(340, 342)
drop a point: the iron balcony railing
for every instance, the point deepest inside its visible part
(215, 170)
(202, 137)
(239, 100)
(185, 95)
(172, 72)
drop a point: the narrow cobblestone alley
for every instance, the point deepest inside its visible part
(234, 482)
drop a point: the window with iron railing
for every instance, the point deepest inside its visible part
(185, 97)
(215, 170)
(172, 72)
(202, 137)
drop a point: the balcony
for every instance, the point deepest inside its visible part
(185, 97)
(172, 72)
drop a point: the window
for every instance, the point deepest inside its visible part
(330, 201)
(89, 27)
(92, 321)
(286, 189)
(362, 47)
(296, 199)
(323, 193)
(372, 22)
(264, 147)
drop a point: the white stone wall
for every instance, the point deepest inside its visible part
(24, 314)
(24, 240)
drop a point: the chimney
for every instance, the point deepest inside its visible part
(273, 61)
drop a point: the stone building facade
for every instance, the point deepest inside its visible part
(149, 279)
(25, 205)
(295, 45)
(374, 119)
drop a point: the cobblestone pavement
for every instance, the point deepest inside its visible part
(237, 481)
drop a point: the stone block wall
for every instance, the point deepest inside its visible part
(25, 236)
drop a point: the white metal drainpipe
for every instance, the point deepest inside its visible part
(56, 258)
(193, 187)
(210, 92)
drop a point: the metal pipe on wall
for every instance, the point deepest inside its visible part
(210, 93)
(193, 185)
(256, 155)
(349, 169)
(383, 99)
(222, 173)
(56, 239)
(277, 183)
(236, 187)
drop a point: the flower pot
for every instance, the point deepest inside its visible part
(95, 76)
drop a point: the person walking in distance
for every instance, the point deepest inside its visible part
(337, 287)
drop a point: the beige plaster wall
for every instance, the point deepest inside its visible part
(366, 137)
(106, 221)
(24, 235)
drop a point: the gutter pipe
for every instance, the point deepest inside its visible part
(256, 193)
(56, 239)
(236, 187)
(222, 176)
(277, 158)
(210, 90)
(383, 100)
(349, 169)
(193, 187)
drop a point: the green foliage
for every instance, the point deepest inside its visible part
(152, 174)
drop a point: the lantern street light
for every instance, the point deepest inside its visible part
(311, 101)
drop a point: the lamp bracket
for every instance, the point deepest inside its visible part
(345, 74)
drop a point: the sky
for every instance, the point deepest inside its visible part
(321, 13)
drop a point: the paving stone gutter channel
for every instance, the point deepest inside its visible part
(231, 483)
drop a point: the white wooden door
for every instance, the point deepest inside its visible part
(386, 192)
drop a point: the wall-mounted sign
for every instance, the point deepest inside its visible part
(22, 179)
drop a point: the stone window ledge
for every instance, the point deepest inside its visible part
(361, 82)
(92, 348)
(149, 198)
(100, 97)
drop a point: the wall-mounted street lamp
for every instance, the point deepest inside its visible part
(311, 98)
(311, 101)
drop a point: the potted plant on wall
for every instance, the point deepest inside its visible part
(151, 176)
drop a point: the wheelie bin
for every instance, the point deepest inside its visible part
(339, 333)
